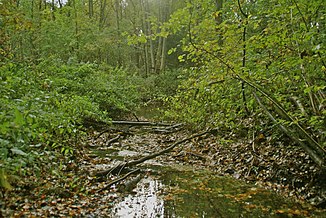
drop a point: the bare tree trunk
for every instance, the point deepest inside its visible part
(149, 33)
(164, 17)
(53, 9)
(102, 13)
(90, 8)
(60, 3)
(117, 10)
(162, 67)
(76, 25)
(158, 54)
(146, 60)
(146, 55)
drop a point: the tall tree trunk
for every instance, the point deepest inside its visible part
(76, 27)
(166, 7)
(146, 55)
(218, 18)
(60, 3)
(158, 54)
(162, 67)
(90, 8)
(117, 10)
(149, 33)
(103, 4)
(53, 8)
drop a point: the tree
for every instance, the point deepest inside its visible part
(277, 52)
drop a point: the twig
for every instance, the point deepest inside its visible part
(101, 133)
(253, 142)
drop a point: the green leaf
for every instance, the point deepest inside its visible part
(19, 118)
(4, 180)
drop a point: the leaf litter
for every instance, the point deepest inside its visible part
(68, 187)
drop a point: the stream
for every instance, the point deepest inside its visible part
(192, 175)
(172, 188)
(190, 193)
(169, 189)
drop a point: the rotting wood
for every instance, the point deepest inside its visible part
(143, 159)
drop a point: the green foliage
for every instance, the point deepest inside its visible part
(201, 102)
(43, 106)
(160, 86)
(112, 89)
(285, 53)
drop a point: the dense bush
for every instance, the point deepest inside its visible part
(42, 107)
(161, 85)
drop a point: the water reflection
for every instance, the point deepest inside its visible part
(201, 194)
(146, 201)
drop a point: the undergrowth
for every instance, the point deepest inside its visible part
(42, 107)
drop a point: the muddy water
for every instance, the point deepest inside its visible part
(176, 190)
(182, 191)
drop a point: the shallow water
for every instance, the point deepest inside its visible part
(147, 201)
(172, 190)
(182, 191)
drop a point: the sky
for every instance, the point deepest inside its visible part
(62, 1)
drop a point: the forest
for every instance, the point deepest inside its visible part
(240, 84)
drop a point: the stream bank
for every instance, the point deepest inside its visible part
(190, 183)
(208, 176)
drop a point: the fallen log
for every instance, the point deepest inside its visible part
(167, 129)
(132, 163)
(142, 123)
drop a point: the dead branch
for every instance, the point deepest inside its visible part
(119, 131)
(141, 123)
(117, 180)
(143, 159)
(129, 185)
(317, 157)
(113, 139)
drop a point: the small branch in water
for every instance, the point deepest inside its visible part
(143, 159)
(117, 180)
(119, 131)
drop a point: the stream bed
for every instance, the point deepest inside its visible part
(173, 188)
(180, 190)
